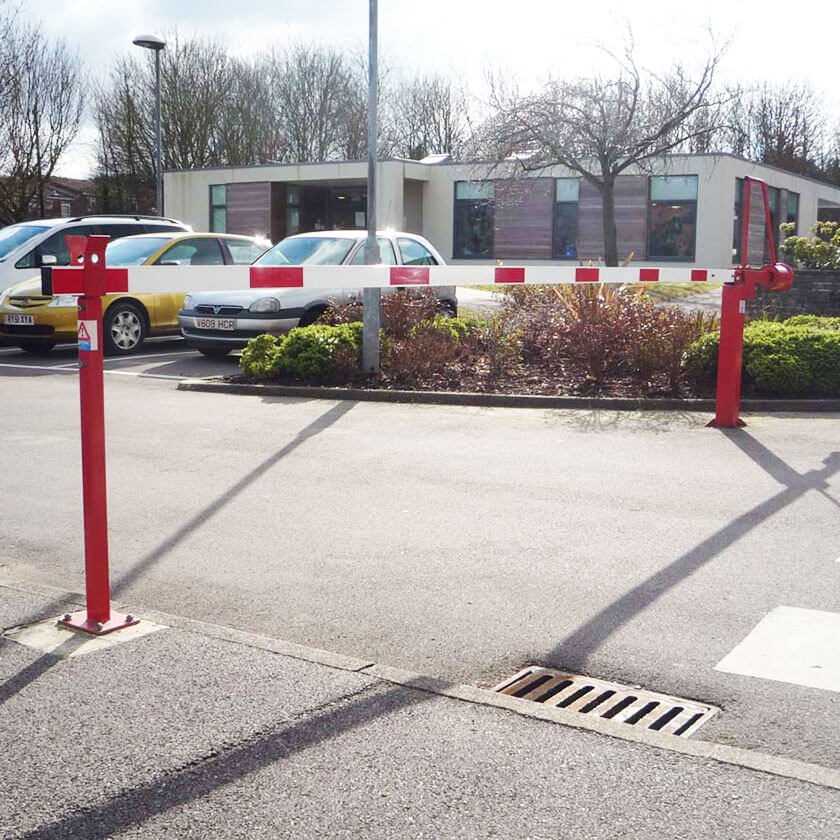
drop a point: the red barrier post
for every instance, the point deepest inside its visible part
(97, 618)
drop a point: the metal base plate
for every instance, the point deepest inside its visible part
(714, 424)
(80, 621)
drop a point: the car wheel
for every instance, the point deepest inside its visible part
(124, 329)
(214, 352)
(447, 308)
(36, 348)
(311, 316)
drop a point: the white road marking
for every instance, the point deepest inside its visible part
(36, 367)
(74, 369)
(143, 375)
(791, 645)
(150, 356)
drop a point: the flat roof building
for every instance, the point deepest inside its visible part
(686, 209)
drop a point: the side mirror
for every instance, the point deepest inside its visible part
(49, 259)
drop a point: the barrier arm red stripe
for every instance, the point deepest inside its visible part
(409, 275)
(278, 277)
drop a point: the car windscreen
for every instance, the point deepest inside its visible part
(133, 251)
(14, 235)
(308, 250)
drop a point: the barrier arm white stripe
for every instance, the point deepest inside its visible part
(146, 279)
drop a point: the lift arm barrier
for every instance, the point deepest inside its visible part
(197, 278)
(90, 279)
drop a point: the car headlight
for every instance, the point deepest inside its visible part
(266, 304)
(64, 301)
(189, 302)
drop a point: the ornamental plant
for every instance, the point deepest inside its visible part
(820, 250)
(780, 358)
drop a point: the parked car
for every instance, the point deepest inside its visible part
(36, 323)
(25, 247)
(217, 322)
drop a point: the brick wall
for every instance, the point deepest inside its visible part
(812, 293)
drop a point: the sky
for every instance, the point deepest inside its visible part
(767, 41)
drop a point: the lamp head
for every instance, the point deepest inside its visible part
(150, 42)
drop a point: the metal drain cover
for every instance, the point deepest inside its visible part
(613, 701)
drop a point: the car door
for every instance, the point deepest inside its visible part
(195, 250)
(54, 245)
(387, 256)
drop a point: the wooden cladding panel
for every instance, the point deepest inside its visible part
(523, 218)
(590, 236)
(757, 237)
(631, 218)
(631, 215)
(249, 208)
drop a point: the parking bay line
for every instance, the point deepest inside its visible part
(59, 368)
(74, 369)
(150, 356)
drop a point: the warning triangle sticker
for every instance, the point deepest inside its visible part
(83, 333)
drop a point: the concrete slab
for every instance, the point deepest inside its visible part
(50, 637)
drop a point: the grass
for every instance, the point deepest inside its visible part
(672, 291)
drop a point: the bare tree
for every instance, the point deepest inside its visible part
(125, 179)
(314, 89)
(599, 127)
(429, 116)
(41, 94)
(782, 125)
(211, 114)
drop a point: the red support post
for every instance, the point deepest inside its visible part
(776, 276)
(97, 618)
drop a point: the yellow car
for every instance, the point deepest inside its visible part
(36, 323)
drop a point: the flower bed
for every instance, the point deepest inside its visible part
(570, 340)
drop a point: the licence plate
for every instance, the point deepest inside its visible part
(19, 320)
(215, 323)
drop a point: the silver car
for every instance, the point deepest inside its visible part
(215, 323)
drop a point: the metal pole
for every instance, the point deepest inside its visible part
(97, 618)
(158, 169)
(371, 297)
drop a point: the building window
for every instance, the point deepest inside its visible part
(218, 208)
(672, 219)
(66, 209)
(473, 219)
(792, 211)
(566, 218)
(292, 210)
(774, 199)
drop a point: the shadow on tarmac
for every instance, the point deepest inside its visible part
(38, 668)
(315, 427)
(136, 806)
(575, 649)
(198, 779)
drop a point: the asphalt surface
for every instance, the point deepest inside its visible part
(181, 735)
(460, 543)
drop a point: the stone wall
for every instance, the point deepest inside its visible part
(812, 293)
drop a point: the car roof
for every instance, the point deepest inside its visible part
(101, 217)
(351, 234)
(187, 234)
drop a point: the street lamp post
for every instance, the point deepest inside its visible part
(152, 42)
(371, 297)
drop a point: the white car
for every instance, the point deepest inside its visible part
(26, 246)
(217, 322)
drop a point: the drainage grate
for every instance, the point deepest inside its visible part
(625, 703)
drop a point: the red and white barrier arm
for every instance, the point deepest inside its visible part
(208, 278)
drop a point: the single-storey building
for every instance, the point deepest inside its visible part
(685, 209)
